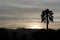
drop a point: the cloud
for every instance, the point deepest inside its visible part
(19, 11)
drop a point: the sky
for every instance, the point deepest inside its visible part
(22, 13)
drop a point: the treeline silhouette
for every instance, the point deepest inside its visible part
(29, 34)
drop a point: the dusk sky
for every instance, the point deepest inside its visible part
(25, 13)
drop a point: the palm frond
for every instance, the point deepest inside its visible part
(43, 19)
(51, 18)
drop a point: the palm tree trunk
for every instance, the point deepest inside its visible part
(47, 23)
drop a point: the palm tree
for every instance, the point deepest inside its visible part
(47, 16)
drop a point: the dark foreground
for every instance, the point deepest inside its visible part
(29, 34)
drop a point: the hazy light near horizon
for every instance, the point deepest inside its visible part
(35, 26)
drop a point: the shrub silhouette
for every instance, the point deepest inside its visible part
(4, 34)
(14, 36)
(36, 34)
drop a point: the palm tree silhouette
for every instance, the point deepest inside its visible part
(47, 16)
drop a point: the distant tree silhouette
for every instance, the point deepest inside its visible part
(47, 16)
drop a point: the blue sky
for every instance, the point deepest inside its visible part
(14, 12)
